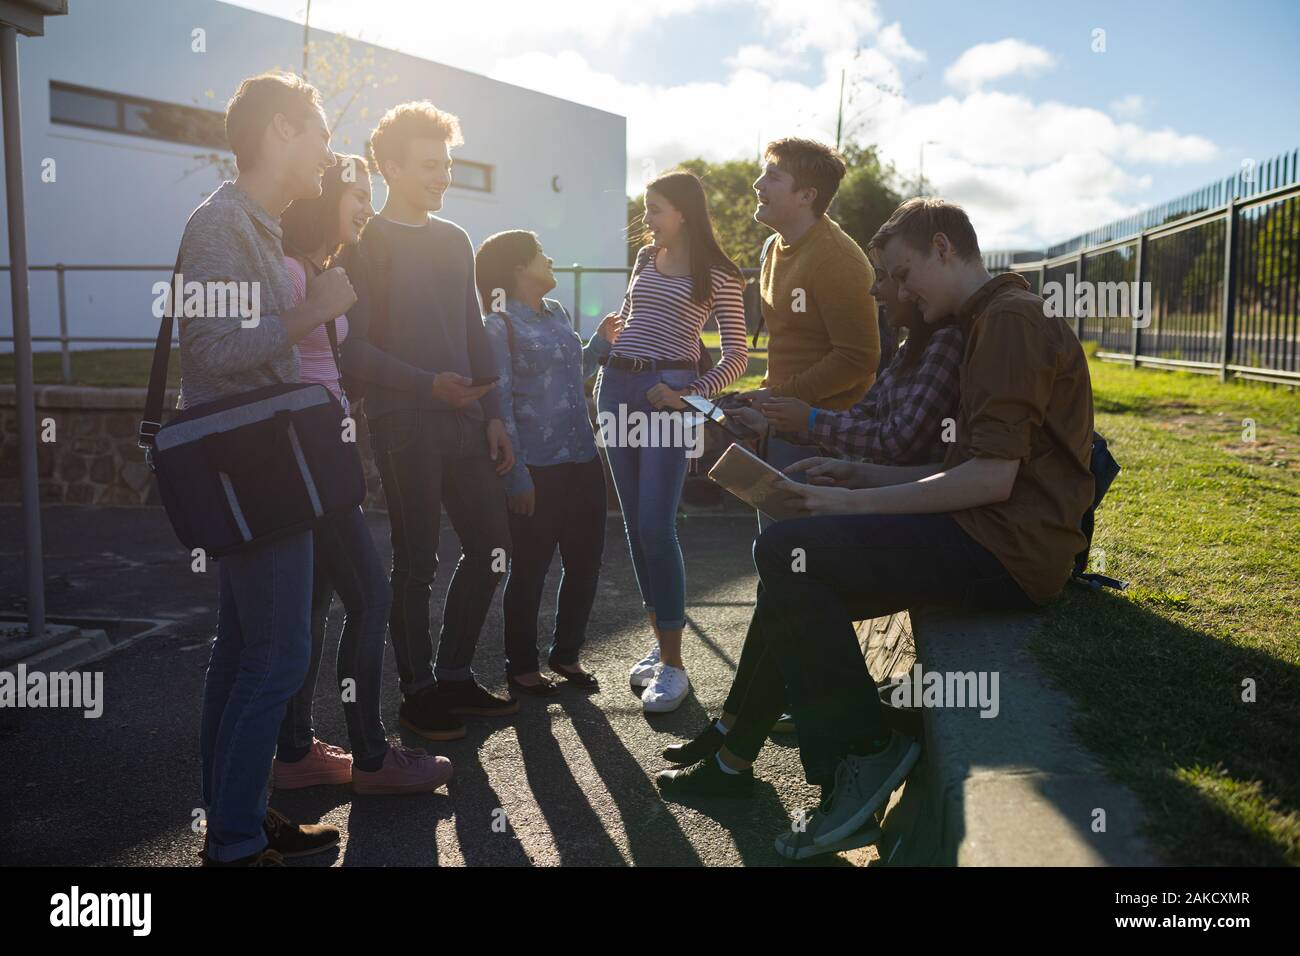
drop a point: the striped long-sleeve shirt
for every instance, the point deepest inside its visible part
(900, 419)
(661, 322)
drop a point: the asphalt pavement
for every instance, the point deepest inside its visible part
(567, 781)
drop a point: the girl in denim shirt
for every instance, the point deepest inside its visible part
(556, 489)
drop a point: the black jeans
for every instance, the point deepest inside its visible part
(569, 513)
(346, 561)
(801, 646)
(429, 460)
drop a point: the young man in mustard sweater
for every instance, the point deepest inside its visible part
(823, 335)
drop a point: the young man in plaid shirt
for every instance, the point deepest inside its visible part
(900, 421)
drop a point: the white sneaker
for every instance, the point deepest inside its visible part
(666, 690)
(643, 671)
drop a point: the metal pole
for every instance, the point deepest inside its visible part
(65, 358)
(31, 492)
(1229, 288)
(1078, 318)
(1139, 270)
(306, 34)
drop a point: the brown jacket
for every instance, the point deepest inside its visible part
(1026, 395)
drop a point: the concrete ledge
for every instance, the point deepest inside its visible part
(1016, 789)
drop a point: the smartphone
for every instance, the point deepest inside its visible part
(476, 383)
(705, 407)
(717, 416)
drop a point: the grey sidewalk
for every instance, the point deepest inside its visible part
(572, 778)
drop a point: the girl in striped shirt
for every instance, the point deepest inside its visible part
(680, 279)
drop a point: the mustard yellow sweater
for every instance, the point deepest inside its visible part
(824, 342)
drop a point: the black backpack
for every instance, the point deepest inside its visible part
(1104, 469)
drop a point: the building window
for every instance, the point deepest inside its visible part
(136, 116)
(467, 175)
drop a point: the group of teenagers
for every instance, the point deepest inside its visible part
(956, 473)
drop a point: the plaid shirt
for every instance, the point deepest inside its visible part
(900, 419)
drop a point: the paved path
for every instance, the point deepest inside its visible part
(573, 777)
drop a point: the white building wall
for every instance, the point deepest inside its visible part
(120, 199)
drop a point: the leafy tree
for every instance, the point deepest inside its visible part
(867, 195)
(343, 70)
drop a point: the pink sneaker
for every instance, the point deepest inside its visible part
(324, 764)
(405, 770)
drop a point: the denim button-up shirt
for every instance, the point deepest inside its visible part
(543, 405)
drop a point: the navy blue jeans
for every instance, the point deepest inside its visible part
(649, 485)
(346, 562)
(429, 460)
(258, 662)
(568, 514)
(801, 647)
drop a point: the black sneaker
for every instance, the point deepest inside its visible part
(705, 744)
(292, 840)
(425, 714)
(705, 779)
(784, 724)
(468, 698)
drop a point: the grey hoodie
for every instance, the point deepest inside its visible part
(230, 238)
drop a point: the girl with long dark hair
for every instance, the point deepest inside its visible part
(681, 279)
(316, 234)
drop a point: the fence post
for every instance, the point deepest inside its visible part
(577, 297)
(65, 358)
(1229, 286)
(1139, 269)
(1078, 318)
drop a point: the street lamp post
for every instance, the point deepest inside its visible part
(27, 17)
(920, 166)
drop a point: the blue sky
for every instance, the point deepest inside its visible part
(1036, 133)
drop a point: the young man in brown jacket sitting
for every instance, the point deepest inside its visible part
(995, 525)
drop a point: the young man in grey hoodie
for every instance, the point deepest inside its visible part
(281, 143)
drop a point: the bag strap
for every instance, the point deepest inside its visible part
(162, 349)
(762, 258)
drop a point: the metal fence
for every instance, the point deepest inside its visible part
(66, 341)
(1216, 272)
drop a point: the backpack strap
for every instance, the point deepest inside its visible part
(762, 258)
(1104, 470)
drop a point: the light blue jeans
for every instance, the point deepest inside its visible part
(649, 486)
(259, 660)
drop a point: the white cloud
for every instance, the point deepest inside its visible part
(1030, 172)
(1128, 107)
(755, 57)
(985, 62)
(890, 42)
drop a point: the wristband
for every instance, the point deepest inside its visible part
(812, 418)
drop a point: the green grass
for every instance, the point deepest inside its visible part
(1204, 527)
(753, 376)
(99, 367)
